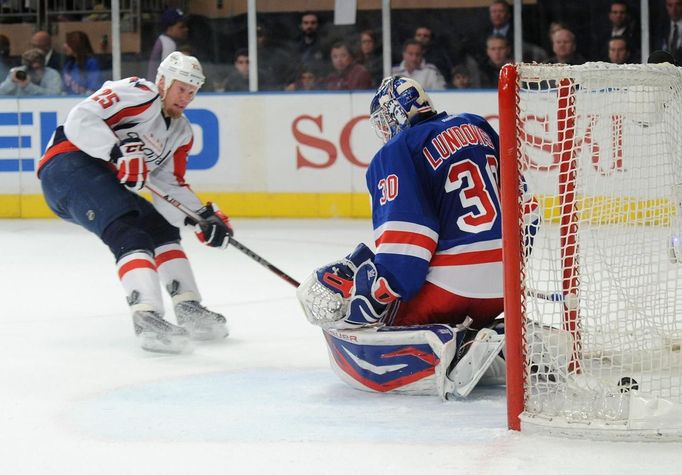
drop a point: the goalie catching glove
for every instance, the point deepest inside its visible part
(128, 156)
(215, 230)
(348, 293)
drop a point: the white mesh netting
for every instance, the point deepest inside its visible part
(600, 147)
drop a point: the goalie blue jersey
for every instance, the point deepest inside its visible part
(436, 209)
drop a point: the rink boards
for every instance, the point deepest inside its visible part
(259, 155)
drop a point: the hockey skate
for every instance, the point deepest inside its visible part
(158, 335)
(200, 322)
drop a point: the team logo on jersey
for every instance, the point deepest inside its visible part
(382, 367)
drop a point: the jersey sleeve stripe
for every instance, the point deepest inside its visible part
(474, 246)
(180, 161)
(467, 258)
(402, 237)
(405, 250)
(406, 226)
(129, 112)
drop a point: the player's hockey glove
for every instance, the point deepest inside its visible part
(128, 156)
(215, 230)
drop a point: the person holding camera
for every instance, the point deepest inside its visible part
(32, 78)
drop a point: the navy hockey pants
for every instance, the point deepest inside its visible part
(85, 191)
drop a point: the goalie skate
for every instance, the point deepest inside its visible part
(200, 322)
(158, 335)
(475, 357)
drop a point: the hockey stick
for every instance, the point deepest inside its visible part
(570, 299)
(551, 297)
(241, 247)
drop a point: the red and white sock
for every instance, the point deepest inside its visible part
(140, 281)
(175, 273)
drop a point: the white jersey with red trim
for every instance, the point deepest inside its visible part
(132, 108)
(436, 210)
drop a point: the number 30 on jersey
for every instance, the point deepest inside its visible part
(475, 194)
(389, 189)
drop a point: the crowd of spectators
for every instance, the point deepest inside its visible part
(42, 71)
(320, 57)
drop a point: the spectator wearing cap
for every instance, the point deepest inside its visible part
(275, 68)
(174, 26)
(32, 78)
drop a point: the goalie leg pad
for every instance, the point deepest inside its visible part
(407, 360)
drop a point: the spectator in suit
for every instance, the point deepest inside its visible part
(175, 30)
(81, 72)
(347, 74)
(671, 38)
(501, 24)
(500, 14)
(620, 24)
(619, 50)
(563, 46)
(498, 53)
(33, 78)
(43, 41)
(413, 66)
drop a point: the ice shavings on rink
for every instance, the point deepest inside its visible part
(268, 405)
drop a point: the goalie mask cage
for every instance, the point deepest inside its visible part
(593, 303)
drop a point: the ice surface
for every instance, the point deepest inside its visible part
(78, 396)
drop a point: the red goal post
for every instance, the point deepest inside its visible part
(593, 300)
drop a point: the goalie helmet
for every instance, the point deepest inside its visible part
(399, 103)
(180, 67)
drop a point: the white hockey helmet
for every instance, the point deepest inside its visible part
(180, 67)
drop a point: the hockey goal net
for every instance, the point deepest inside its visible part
(593, 299)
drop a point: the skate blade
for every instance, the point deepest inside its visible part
(208, 334)
(167, 344)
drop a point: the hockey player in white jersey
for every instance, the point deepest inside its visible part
(127, 133)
